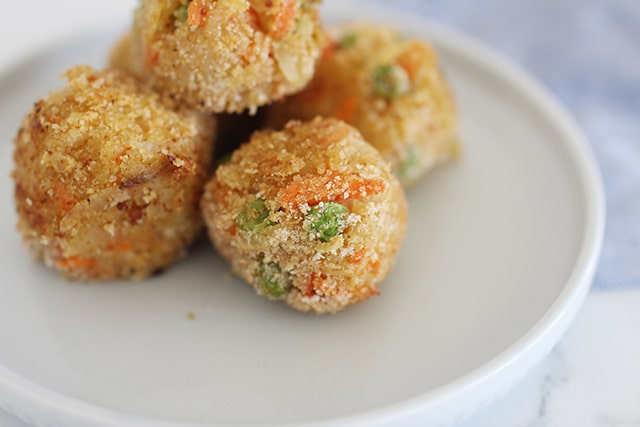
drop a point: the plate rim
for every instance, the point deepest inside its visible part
(38, 405)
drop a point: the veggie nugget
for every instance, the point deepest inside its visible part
(311, 215)
(108, 177)
(228, 55)
(391, 89)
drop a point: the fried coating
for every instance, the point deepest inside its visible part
(391, 89)
(227, 55)
(108, 177)
(311, 215)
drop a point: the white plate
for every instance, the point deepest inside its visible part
(501, 251)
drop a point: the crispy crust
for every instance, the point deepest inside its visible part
(228, 55)
(305, 165)
(108, 177)
(414, 131)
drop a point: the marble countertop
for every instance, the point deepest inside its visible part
(592, 377)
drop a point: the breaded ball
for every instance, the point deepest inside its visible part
(108, 177)
(227, 55)
(311, 215)
(391, 89)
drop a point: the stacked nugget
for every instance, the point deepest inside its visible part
(108, 177)
(224, 55)
(310, 214)
(389, 87)
(111, 170)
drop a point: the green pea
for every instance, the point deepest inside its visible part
(225, 158)
(273, 282)
(390, 81)
(255, 217)
(409, 163)
(181, 14)
(347, 41)
(326, 220)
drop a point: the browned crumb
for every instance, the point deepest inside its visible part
(389, 87)
(311, 215)
(108, 177)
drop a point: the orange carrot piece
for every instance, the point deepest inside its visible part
(78, 263)
(314, 189)
(413, 56)
(374, 266)
(197, 13)
(121, 246)
(357, 256)
(63, 198)
(284, 19)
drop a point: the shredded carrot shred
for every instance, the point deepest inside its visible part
(78, 263)
(151, 55)
(314, 189)
(314, 284)
(197, 13)
(121, 246)
(63, 198)
(357, 257)
(413, 56)
(374, 266)
(284, 19)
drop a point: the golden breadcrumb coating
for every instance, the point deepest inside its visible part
(311, 215)
(391, 89)
(108, 177)
(227, 55)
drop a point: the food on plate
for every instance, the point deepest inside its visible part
(389, 87)
(227, 55)
(123, 56)
(108, 177)
(311, 215)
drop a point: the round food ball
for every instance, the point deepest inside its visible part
(228, 55)
(391, 89)
(311, 215)
(108, 177)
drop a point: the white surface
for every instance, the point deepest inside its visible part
(591, 379)
(519, 207)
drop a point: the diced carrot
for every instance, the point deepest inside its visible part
(121, 246)
(197, 13)
(413, 56)
(313, 189)
(63, 198)
(78, 263)
(374, 266)
(151, 55)
(253, 18)
(357, 257)
(284, 19)
(314, 285)
(233, 230)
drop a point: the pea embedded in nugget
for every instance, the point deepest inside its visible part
(108, 177)
(227, 55)
(311, 215)
(389, 87)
